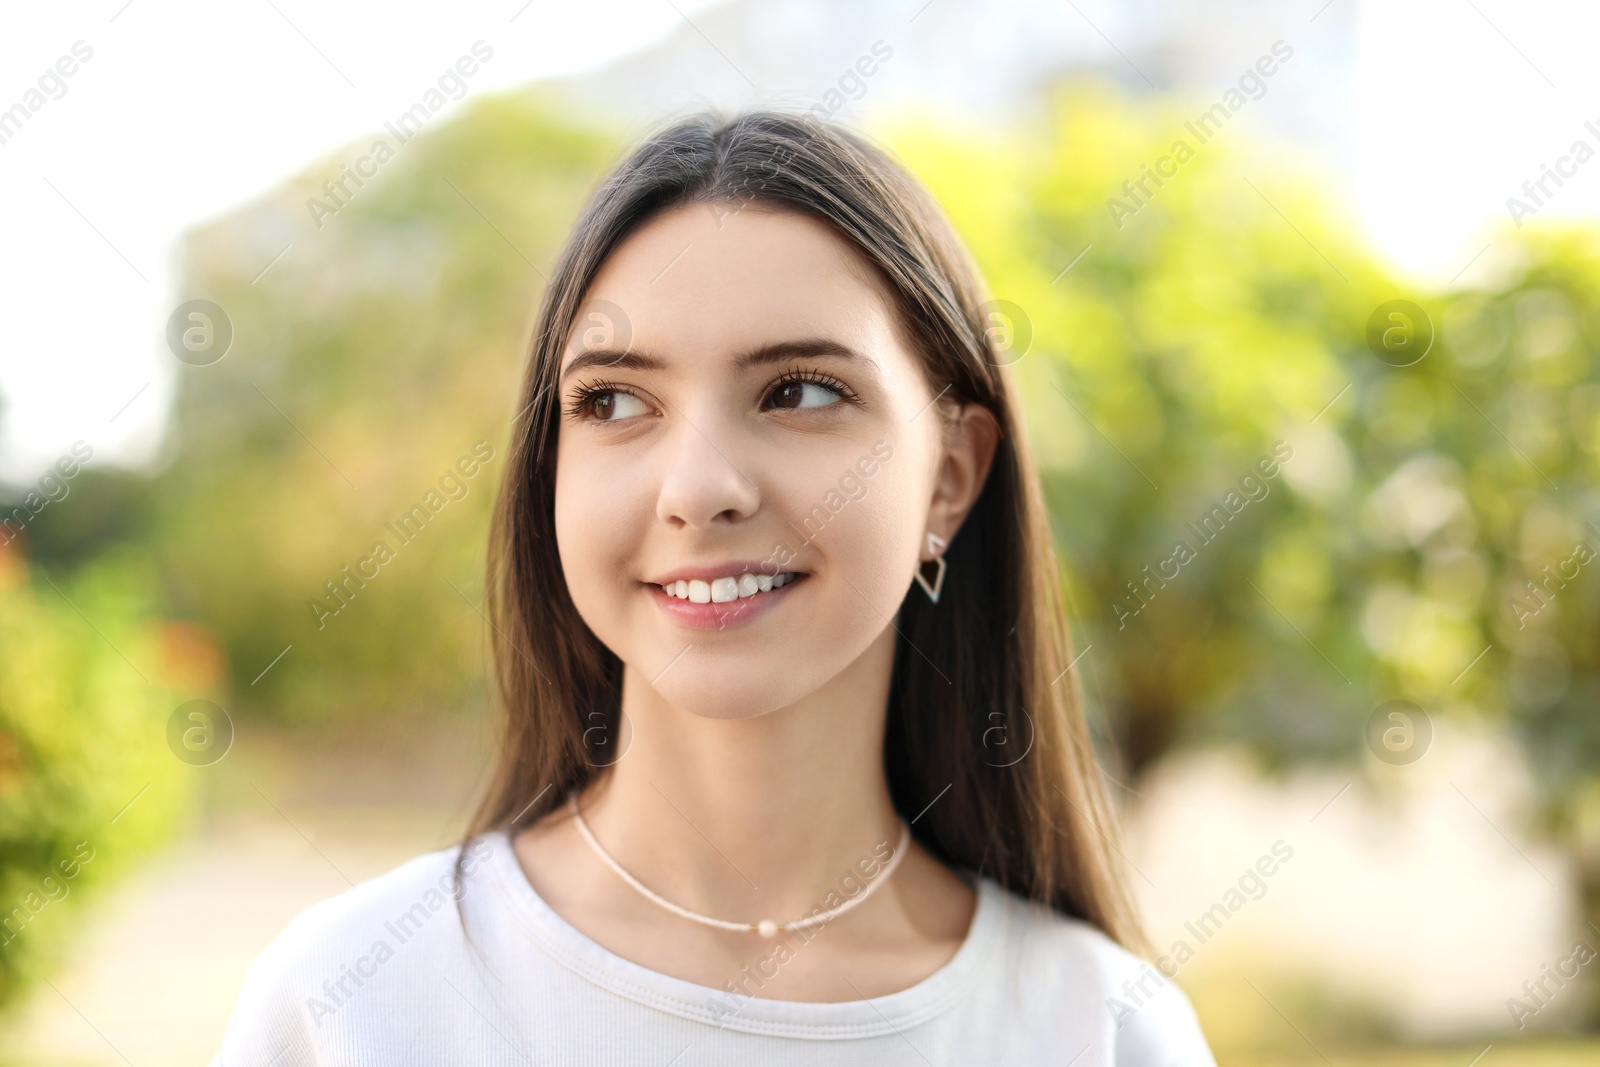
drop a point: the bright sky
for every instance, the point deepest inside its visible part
(185, 110)
(1456, 104)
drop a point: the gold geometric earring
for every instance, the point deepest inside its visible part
(935, 545)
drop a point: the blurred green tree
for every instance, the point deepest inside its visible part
(366, 363)
(1174, 354)
(1431, 514)
(90, 676)
(1489, 515)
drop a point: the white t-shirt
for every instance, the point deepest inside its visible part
(381, 976)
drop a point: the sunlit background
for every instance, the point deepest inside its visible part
(1373, 269)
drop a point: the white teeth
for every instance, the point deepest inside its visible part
(723, 590)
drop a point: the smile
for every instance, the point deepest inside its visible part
(725, 590)
(723, 603)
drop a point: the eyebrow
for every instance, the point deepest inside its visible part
(761, 355)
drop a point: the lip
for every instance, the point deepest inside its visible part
(730, 569)
(723, 616)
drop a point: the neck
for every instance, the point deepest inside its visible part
(761, 817)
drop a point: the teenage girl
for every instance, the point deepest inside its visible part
(792, 770)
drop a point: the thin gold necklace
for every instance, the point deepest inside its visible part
(766, 927)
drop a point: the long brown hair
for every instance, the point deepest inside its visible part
(978, 680)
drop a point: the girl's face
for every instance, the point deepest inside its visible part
(739, 407)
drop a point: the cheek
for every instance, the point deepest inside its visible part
(596, 536)
(864, 555)
(874, 545)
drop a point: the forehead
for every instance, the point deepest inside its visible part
(706, 280)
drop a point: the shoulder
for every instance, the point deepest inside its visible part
(329, 955)
(403, 902)
(1125, 1001)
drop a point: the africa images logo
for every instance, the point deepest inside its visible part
(1252, 85)
(1209, 527)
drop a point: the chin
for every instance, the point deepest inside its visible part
(735, 694)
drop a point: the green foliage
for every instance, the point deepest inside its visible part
(1166, 363)
(107, 507)
(82, 743)
(366, 363)
(1225, 314)
(1396, 546)
(1499, 536)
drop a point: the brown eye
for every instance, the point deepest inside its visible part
(796, 393)
(604, 403)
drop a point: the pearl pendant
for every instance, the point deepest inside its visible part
(767, 928)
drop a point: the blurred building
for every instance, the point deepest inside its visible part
(979, 62)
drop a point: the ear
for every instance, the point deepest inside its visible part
(963, 470)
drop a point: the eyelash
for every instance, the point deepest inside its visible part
(584, 399)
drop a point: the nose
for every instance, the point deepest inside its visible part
(701, 483)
